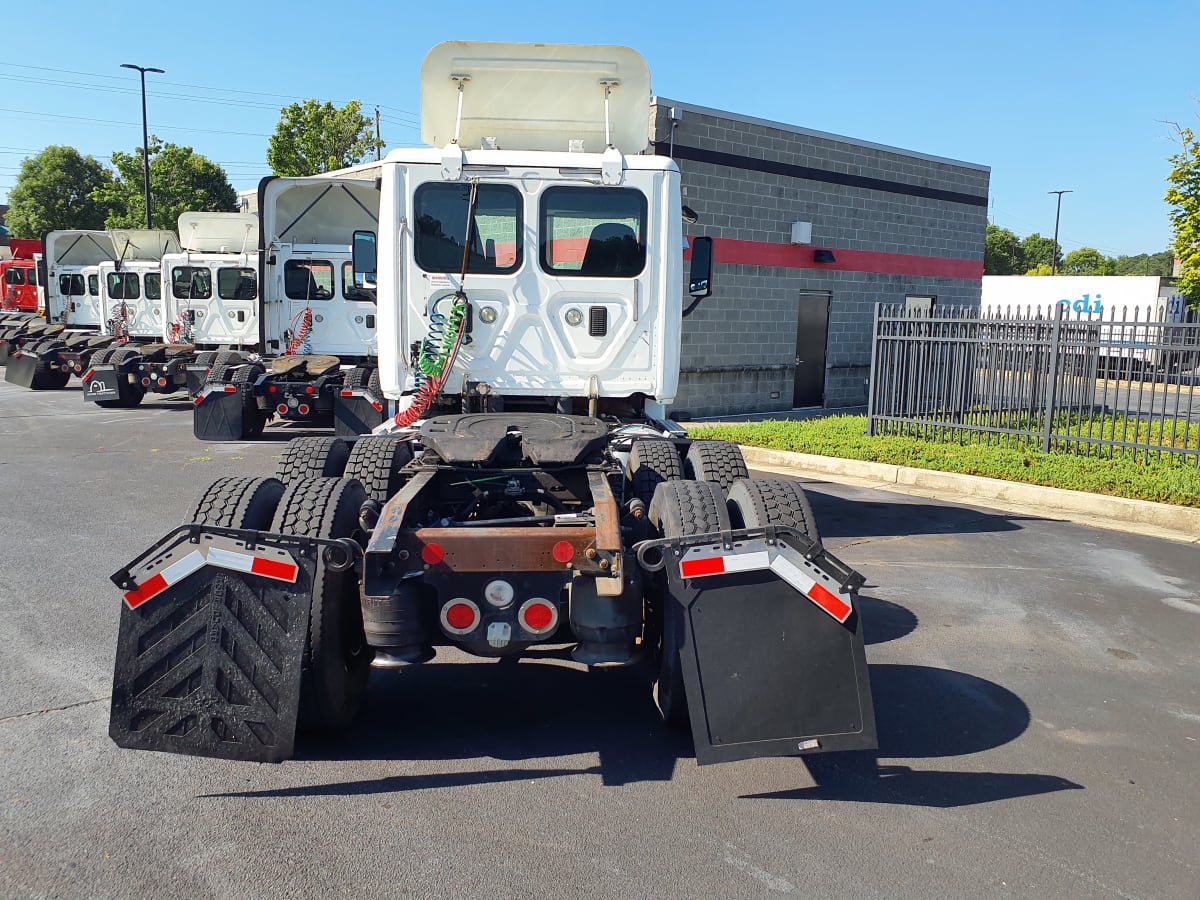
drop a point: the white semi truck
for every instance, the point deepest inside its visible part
(43, 353)
(528, 487)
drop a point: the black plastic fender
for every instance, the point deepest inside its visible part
(217, 413)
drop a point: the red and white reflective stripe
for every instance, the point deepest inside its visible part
(172, 574)
(797, 577)
(278, 569)
(281, 570)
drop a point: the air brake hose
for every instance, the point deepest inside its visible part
(433, 362)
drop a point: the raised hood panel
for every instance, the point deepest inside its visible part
(535, 96)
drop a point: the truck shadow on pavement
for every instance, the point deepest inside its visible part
(842, 517)
(921, 713)
(538, 710)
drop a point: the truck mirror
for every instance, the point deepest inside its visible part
(363, 252)
(700, 277)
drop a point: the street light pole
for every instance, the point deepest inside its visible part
(145, 132)
(1057, 211)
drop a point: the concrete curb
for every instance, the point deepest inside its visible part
(1179, 523)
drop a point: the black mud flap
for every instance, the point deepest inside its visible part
(217, 414)
(356, 413)
(772, 657)
(102, 383)
(21, 368)
(211, 643)
(4, 345)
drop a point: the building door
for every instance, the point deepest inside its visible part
(812, 332)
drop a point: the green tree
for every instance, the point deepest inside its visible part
(1002, 252)
(1159, 264)
(53, 192)
(1086, 261)
(314, 137)
(1040, 269)
(1184, 197)
(1038, 251)
(181, 180)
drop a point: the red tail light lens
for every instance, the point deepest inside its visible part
(538, 616)
(460, 616)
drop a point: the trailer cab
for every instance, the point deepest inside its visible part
(72, 288)
(19, 276)
(211, 285)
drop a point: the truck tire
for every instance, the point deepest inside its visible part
(337, 660)
(651, 463)
(237, 503)
(356, 378)
(44, 377)
(313, 457)
(755, 504)
(679, 509)
(717, 461)
(223, 359)
(101, 356)
(130, 394)
(377, 462)
(254, 419)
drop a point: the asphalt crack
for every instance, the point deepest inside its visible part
(50, 709)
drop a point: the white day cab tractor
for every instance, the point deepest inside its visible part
(528, 488)
(43, 354)
(206, 313)
(318, 327)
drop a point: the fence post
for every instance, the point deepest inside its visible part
(1052, 377)
(871, 377)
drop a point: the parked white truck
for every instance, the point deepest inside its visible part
(529, 488)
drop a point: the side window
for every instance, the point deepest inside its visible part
(441, 230)
(596, 232)
(352, 291)
(308, 279)
(93, 285)
(153, 285)
(237, 284)
(33, 276)
(191, 283)
(123, 286)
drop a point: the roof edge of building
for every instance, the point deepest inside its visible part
(796, 129)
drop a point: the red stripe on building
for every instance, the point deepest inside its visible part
(694, 568)
(800, 256)
(831, 603)
(148, 589)
(273, 569)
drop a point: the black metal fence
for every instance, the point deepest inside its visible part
(1125, 385)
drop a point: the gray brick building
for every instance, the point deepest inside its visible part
(789, 323)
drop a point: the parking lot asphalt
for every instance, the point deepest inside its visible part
(1036, 686)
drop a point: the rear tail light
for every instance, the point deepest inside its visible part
(145, 382)
(281, 409)
(538, 616)
(162, 382)
(303, 409)
(460, 616)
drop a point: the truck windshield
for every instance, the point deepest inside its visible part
(14, 276)
(442, 226)
(597, 232)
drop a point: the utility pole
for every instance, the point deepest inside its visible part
(145, 133)
(377, 138)
(1057, 211)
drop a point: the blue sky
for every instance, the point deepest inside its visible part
(1051, 95)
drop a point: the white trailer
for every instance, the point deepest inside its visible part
(1133, 314)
